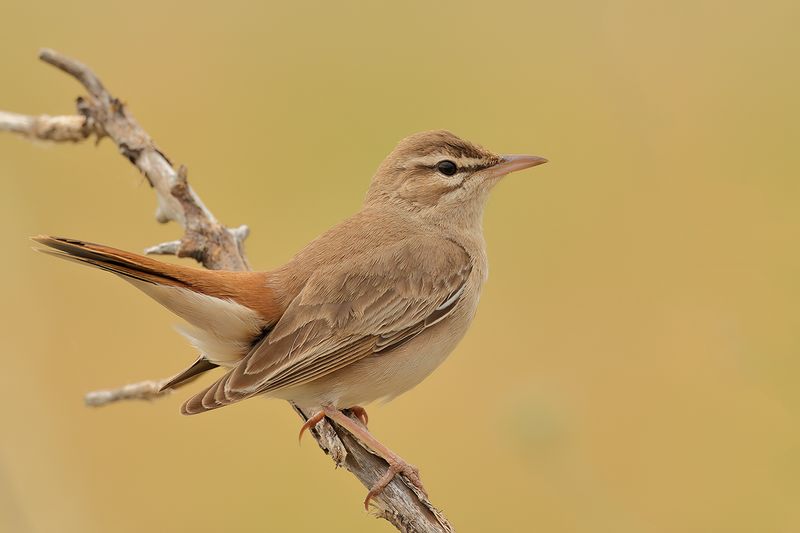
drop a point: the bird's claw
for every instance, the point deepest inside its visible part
(410, 472)
(310, 423)
(360, 413)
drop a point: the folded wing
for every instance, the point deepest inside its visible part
(367, 305)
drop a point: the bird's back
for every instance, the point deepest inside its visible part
(361, 236)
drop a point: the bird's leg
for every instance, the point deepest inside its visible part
(357, 410)
(360, 413)
(396, 463)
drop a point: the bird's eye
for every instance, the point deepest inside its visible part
(446, 167)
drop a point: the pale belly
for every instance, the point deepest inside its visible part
(385, 376)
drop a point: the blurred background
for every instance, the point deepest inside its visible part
(634, 363)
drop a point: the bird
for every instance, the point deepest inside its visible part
(364, 312)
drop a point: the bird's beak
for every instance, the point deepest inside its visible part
(512, 163)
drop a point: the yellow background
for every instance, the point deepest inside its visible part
(634, 363)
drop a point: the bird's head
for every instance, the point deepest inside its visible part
(436, 170)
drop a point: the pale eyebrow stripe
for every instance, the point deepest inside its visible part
(461, 162)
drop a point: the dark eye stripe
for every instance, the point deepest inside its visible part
(466, 168)
(473, 168)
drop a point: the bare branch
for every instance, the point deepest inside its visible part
(165, 248)
(77, 70)
(216, 247)
(144, 390)
(206, 240)
(65, 128)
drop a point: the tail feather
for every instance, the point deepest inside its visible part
(118, 261)
(250, 289)
(191, 373)
(120, 270)
(229, 310)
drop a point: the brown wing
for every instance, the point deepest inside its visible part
(368, 304)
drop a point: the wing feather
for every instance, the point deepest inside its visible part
(362, 307)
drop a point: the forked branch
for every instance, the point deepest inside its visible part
(215, 246)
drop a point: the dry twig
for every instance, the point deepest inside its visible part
(215, 247)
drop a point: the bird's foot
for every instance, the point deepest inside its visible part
(357, 410)
(396, 466)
